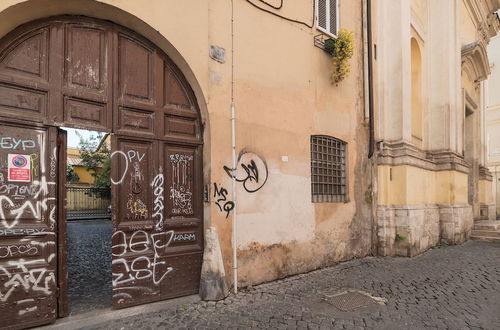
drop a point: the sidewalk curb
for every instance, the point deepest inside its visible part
(100, 316)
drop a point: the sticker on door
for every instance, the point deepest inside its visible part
(19, 168)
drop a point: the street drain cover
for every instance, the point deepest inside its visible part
(350, 300)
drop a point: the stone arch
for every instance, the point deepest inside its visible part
(475, 61)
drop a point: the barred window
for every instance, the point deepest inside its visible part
(327, 16)
(328, 169)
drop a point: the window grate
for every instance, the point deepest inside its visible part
(328, 169)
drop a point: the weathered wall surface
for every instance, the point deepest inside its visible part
(492, 120)
(282, 96)
(436, 180)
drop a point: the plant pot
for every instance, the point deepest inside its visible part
(330, 46)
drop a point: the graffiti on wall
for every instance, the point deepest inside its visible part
(251, 172)
(221, 200)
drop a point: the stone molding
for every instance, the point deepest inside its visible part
(475, 60)
(485, 174)
(403, 153)
(483, 15)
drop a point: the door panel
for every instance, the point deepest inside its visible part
(183, 216)
(28, 263)
(135, 244)
(157, 220)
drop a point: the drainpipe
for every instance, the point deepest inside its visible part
(371, 145)
(233, 150)
(233, 155)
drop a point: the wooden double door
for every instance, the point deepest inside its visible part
(84, 73)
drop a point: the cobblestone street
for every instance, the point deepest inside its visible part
(456, 287)
(89, 265)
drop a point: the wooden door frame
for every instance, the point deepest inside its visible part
(62, 233)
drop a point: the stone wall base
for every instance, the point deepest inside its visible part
(456, 223)
(487, 211)
(410, 230)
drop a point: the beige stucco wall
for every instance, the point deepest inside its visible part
(282, 95)
(410, 185)
(433, 179)
(492, 119)
(486, 192)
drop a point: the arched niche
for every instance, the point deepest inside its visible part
(416, 92)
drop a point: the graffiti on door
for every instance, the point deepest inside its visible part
(157, 186)
(181, 189)
(130, 270)
(26, 275)
(28, 168)
(20, 200)
(148, 203)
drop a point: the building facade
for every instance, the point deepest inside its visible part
(432, 181)
(165, 79)
(235, 160)
(491, 118)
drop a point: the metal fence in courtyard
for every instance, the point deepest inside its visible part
(88, 203)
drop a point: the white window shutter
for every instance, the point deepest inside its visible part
(322, 14)
(333, 17)
(327, 16)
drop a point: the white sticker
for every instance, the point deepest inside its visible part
(19, 167)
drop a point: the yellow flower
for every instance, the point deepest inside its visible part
(343, 50)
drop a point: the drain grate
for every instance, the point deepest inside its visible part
(350, 300)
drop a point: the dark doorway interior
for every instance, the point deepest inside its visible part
(89, 226)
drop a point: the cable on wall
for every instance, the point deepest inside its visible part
(271, 5)
(286, 18)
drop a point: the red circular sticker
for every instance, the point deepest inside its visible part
(19, 161)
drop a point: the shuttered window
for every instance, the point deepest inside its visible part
(327, 16)
(328, 169)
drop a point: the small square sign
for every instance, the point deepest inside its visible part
(19, 168)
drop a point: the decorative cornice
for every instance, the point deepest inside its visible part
(485, 174)
(475, 61)
(483, 15)
(403, 153)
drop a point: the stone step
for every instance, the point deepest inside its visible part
(487, 225)
(485, 238)
(486, 233)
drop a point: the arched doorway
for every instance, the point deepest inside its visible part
(86, 73)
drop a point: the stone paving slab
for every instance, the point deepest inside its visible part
(455, 287)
